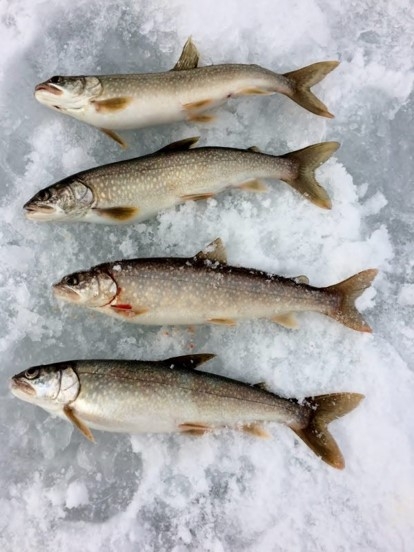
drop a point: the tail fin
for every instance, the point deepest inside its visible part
(308, 160)
(302, 81)
(325, 409)
(349, 290)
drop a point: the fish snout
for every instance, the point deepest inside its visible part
(45, 88)
(37, 211)
(20, 387)
(66, 293)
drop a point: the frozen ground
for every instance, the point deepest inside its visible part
(225, 491)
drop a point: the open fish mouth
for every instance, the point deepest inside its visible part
(48, 88)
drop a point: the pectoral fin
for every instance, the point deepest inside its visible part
(287, 320)
(257, 430)
(253, 186)
(114, 136)
(194, 428)
(83, 428)
(222, 321)
(215, 252)
(118, 214)
(127, 311)
(189, 57)
(112, 105)
(254, 149)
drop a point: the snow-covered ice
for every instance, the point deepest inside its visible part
(225, 491)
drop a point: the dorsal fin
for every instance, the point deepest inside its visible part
(215, 252)
(180, 145)
(188, 362)
(261, 385)
(302, 279)
(189, 57)
(255, 149)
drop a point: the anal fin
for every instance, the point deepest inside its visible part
(83, 428)
(200, 118)
(256, 429)
(286, 320)
(196, 197)
(111, 134)
(222, 321)
(253, 91)
(194, 428)
(253, 186)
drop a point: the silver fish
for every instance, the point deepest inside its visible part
(172, 396)
(187, 93)
(139, 188)
(205, 290)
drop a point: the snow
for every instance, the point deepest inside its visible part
(225, 491)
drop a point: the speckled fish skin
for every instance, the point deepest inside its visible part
(129, 101)
(172, 396)
(137, 189)
(159, 396)
(200, 291)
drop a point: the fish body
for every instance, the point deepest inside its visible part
(205, 290)
(188, 92)
(137, 189)
(172, 396)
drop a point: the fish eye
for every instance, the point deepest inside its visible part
(31, 373)
(43, 195)
(72, 280)
(56, 80)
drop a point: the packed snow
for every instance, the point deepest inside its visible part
(225, 491)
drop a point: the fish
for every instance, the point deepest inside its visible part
(204, 289)
(173, 396)
(185, 93)
(138, 189)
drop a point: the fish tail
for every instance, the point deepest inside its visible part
(349, 290)
(325, 409)
(303, 79)
(308, 160)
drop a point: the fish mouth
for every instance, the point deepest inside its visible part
(20, 388)
(39, 212)
(48, 88)
(65, 293)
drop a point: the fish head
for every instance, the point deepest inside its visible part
(92, 288)
(68, 93)
(48, 386)
(69, 199)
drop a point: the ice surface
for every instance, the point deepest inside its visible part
(224, 491)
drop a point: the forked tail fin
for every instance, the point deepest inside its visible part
(308, 160)
(325, 409)
(349, 290)
(302, 81)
